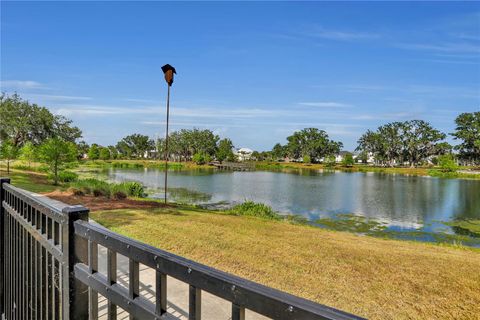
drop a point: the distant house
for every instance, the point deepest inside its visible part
(152, 154)
(341, 155)
(243, 154)
(370, 158)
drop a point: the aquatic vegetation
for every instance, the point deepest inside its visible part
(366, 226)
(466, 227)
(452, 174)
(250, 208)
(351, 223)
(184, 195)
(296, 219)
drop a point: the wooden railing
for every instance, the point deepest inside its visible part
(50, 270)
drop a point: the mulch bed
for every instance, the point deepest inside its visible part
(103, 203)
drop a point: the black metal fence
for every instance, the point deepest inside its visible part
(49, 270)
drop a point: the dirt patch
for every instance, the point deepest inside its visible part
(102, 203)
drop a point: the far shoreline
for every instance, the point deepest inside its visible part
(430, 171)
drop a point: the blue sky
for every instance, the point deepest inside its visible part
(254, 72)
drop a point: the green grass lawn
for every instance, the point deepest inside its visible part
(31, 181)
(374, 278)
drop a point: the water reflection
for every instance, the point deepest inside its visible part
(400, 200)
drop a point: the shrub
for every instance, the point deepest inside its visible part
(198, 158)
(329, 161)
(250, 208)
(447, 163)
(100, 192)
(307, 159)
(76, 191)
(64, 176)
(43, 168)
(119, 195)
(88, 186)
(348, 160)
(133, 189)
(102, 188)
(67, 176)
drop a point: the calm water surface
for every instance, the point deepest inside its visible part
(398, 200)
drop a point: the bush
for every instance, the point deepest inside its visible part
(329, 161)
(67, 176)
(201, 158)
(307, 159)
(447, 163)
(102, 188)
(92, 186)
(198, 158)
(132, 189)
(43, 168)
(348, 160)
(76, 191)
(98, 192)
(250, 208)
(119, 195)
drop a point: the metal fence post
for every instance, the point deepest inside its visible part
(2, 246)
(77, 252)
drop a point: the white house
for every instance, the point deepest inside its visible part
(151, 154)
(243, 154)
(340, 156)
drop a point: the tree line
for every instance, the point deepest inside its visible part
(414, 142)
(31, 132)
(196, 145)
(397, 143)
(409, 142)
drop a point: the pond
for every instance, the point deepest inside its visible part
(398, 203)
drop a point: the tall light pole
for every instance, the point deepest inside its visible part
(168, 71)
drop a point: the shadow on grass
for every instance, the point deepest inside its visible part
(113, 218)
(29, 181)
(124, 217)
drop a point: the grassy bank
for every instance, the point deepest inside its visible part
(375, 278)
(30, 180)
(418, 171)
(140, 163)
(85, 166)
(278, 166)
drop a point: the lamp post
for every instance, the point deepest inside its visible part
(168, 71)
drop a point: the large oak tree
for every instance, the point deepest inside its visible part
(22, 121)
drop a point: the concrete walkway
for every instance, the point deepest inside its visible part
(213, 308)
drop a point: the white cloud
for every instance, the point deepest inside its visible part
(189, 124)
(141, 100)
(325, 104)
(49, 97)
(441, 47)
(221, 113)
(320, 32)
(21, 84)
(395, 116)
(466, 36)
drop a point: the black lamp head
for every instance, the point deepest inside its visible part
(168, 70)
